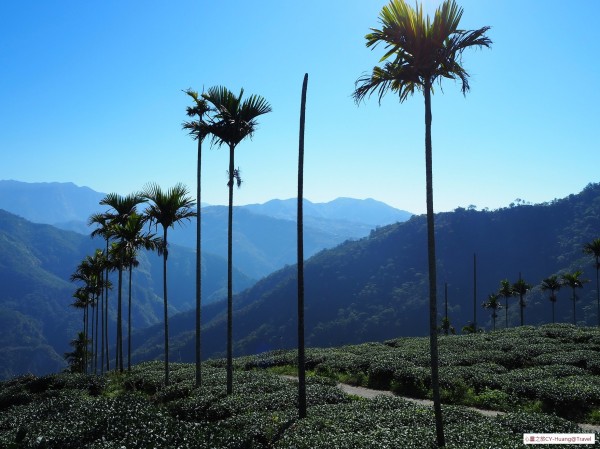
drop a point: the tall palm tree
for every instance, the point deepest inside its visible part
(167, 208)
(593, 248)
(198, 129)
(574, 281)
(300, 260)
(521, 288)
(419, 52)
(493, 304)
(131, 239)
(235, 119)
(82, 301)
(121, 207)
(553, 284)
(506, 291)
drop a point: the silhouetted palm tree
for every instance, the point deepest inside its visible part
(234, 120)
(102, 221)
(419, 52)
(506, 291)
(574, 281)
(167, 208)
(553, 284)
(77, 358)
(521, 288)
(593, 248)
(198, 129)
(493, 304)
(121, 207)
(131, 239)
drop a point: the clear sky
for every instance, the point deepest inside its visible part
(91, 93)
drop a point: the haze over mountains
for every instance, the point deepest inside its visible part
(38, 260)
(264, 235)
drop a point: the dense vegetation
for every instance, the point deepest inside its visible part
(528, 371)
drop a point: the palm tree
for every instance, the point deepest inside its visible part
(234, 120)
(131, 239)
(77, 358)
(419, 52)
(198, 130)
(593, 248)
(506, 291)
(553, 284)
(300, 261)
(493, 303)
(521, 288)
(82, 301)
(167, 208)
(103, 229)
(121, 208)
(574, 281)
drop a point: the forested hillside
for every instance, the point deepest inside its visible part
(376, 288)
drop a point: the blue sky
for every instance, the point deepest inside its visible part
(92, 94)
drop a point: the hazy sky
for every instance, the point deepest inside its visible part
(91, 92)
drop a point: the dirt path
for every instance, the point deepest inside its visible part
(370, 394)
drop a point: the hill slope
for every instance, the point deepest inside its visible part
(35, 292)
(376, 288)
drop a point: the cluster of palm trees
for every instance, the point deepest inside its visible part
(550, 284)
(122, 227)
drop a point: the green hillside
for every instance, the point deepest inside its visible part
(555, 371)
(376, 288)
(36, 318)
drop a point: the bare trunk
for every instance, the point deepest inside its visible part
(300, 222)
(129, 322)
(433, 342)
(119, 360)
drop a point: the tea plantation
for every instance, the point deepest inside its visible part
(534, 374)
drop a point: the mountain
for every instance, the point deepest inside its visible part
(36, 318)
(369, 211)
(264, 234)
(49, 202)
(376, 288)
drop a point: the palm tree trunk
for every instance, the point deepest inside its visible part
(198, 267)
(129, 322)
(92, 341)
(230, 278)
(574, 319)
(86, 313)
(102, 329)
(96, 335)
(106, 319)
(166, 315)
(597, 290)
(119, 360)
(435, 384)
(300, 223)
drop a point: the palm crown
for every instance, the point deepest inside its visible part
(423, 50)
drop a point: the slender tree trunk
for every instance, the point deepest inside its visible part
(574, 298)
(102, 329)
(553, 311)
(86, 334)
(435, 384)
(474, 292)
(119, 360)
(92, 340)
(230, 278)
(166, 315)
(199, 267)
(597, 290)
(97, 311)
(106, 320)
(300, 223)
(129, 322)
(506, 311)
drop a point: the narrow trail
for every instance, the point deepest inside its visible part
(369, 393)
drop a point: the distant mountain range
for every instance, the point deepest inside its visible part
(376, 288)
(264, 234)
